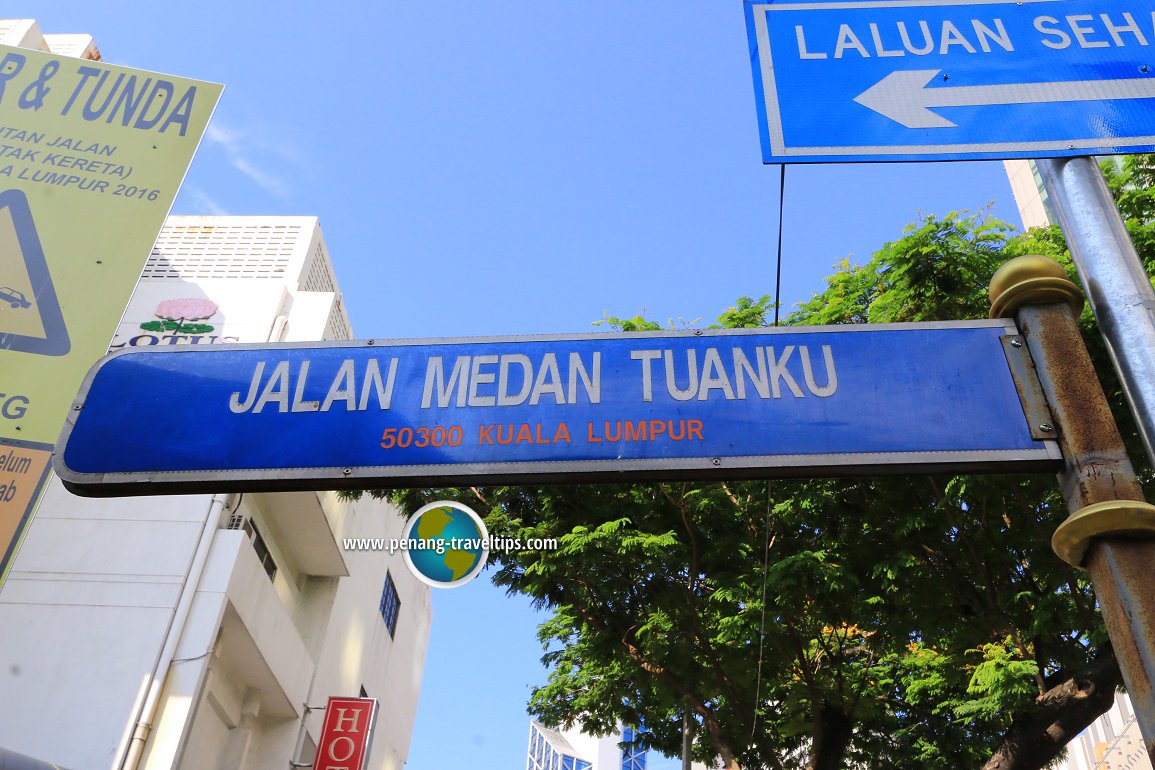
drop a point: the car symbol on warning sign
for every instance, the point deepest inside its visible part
(39, 326)
(13, 297)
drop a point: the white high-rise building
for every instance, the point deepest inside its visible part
(1035, 206)
(1030, 197)
(575, 750)
(208, 631)
(25, 33)
(1112, 742)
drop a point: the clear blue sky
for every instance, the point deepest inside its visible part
(509, 167)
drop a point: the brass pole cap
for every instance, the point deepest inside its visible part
(1113, 518)
(1031, 280)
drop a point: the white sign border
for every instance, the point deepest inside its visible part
(778, 148)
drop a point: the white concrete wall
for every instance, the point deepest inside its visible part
(358, 650)
(22, 33)
(83, 615)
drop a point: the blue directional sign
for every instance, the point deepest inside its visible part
(689, 404)
(953, 80)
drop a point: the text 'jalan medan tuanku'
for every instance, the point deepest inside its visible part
(515, 379)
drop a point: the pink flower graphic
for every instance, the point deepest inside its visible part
(177, 316)
(190, 309)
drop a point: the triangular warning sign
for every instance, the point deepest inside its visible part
(30, 317)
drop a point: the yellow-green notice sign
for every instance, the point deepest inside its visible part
(91, 158)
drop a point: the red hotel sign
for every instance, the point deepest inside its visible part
(345, 736)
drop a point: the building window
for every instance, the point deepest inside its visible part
(633, 755)
(390, 604)
(261, 549)
(544, 756)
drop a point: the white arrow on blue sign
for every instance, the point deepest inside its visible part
(952, 80)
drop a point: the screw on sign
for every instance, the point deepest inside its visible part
(346, 734)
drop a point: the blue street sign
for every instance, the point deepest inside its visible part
(688, 404)
(953, 80)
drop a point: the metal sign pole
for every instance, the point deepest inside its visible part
(1117, 286)
(1111, 530)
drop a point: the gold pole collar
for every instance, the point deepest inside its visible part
(1114, 518)
(1032, 280)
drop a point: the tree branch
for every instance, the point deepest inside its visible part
(1062, 712)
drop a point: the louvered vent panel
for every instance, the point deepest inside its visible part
(223, 251)
(319, 276)
(338, 327)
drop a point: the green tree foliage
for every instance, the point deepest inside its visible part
(1133, 183)
(822, 624)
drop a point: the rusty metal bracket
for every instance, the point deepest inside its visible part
(1026, 377)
